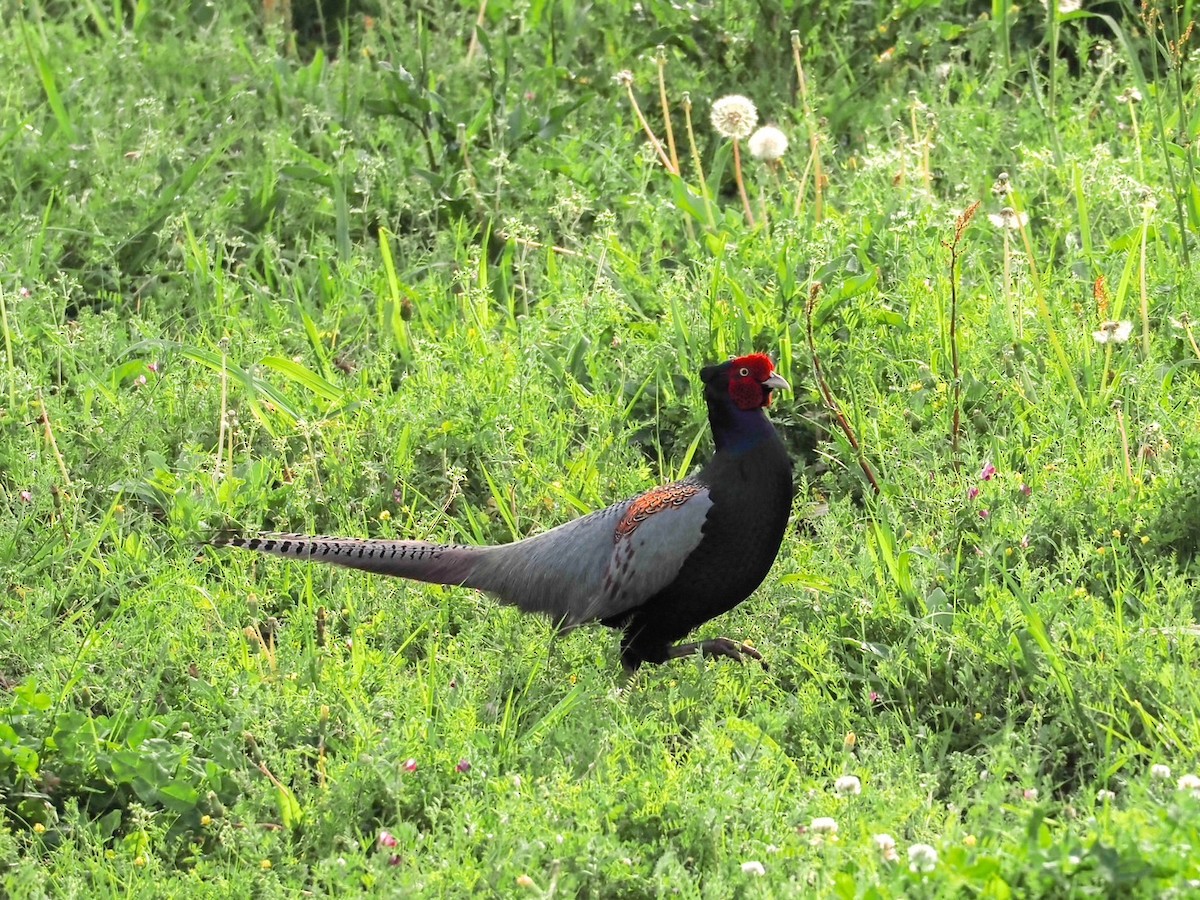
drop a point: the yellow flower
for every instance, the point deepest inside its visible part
(39, 828)
(265, 864)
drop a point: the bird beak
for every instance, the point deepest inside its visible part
(776, 383)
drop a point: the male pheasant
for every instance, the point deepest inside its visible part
(655, 566)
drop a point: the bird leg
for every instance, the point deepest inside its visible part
(721, 646)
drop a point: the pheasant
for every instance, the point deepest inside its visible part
(655, 566)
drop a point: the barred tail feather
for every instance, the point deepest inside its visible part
(450, 564)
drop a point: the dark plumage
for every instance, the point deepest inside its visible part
(656, 566)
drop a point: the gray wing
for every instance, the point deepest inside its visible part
(602, 564)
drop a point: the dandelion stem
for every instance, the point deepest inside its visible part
(661, 57)
(814, 136)
(654, 142)
(737, 174)
(473, 47)
(691, 135)
(58, 457)
(1187, 328)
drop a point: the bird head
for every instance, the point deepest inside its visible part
(748, 380)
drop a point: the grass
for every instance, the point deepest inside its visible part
(385, 286)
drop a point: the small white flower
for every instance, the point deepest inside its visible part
(1160, 772)
(1065, 6)
(1189, 782)
(922, 858)
(1009, 218)
(1104, 795)
(1131, 95)
(1118, 333)
(824, 825)
(886, 845)
(753, 867)
(734, 116)
(624, 78)
(848, 785)
(768, 143)
(1031, 794)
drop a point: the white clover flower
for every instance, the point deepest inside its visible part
(734, 116)
(1065, 6)
(1118, 333)
(922, 858)
(1160, 772)
(753, 867)
(848, 785)
(768, 143)
(886, 845)
(1189, 782)
(1009, 218)
(1104, 795)
(824, 825)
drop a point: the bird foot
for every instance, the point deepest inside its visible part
(721, 646)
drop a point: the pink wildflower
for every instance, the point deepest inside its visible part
(463, 766)
(973, 492)
(387, 839)
(988, 472)
(410, 765)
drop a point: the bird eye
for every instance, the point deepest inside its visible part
(743, 371)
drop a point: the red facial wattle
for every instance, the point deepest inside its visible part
(751, 380)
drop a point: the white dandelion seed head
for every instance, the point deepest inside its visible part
(753, 867)
(824, 825)
(1157, 771)
(768, 143)
(734, 116)
(1119, 333)
(922, 858)
(1008, 218)
(848, 786)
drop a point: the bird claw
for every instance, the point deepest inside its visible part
(721, 646)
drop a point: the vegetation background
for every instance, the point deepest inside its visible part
(416, 269)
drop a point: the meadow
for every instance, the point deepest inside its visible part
(448, 271)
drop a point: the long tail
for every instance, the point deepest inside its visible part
(451, 564)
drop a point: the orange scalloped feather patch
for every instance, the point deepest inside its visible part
(669, 496)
